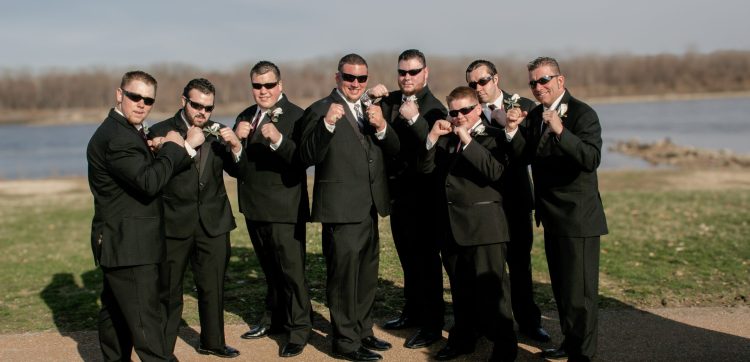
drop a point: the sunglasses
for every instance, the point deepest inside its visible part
(199, 107)
(543, 80)
(135, 97)
(411, 72)
(351, 77)
(268, 86)
(482, 82)
(464, 111)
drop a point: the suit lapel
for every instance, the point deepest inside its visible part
(352, 120)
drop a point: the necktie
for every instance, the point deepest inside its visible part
(256, 120)
(492, 107)
(358, 114)
(142, 133)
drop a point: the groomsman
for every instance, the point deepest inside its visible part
(468, 164)
(518, 200)
(198, 219)
(563, 143)
(272, 190)
(348, 145)
(127, 236)
(411, 111)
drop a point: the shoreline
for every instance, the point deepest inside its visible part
(94, 116)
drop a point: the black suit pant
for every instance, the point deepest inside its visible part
(525, 310)
(131, 315)
(574, 272)
(352, 259)
(281, 250)
(208, 257)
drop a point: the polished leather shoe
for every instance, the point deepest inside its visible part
(538, 334)
(423, 338)
(260, 331)
(449, 352)
(291, 349)
(401, 322)
(374, 343)
(226, 352)
(362, 354)
(555, 353)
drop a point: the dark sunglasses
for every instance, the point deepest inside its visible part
(464, 111)
(411, 72)
(199, 107)
(351, 77)
(135, 97)
(543, 80)
(268, 86)
(482, 82)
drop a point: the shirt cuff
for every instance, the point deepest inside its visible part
(412, 120)
(275, 146)
(381, 135)
(509, 135)
(330, 127)
(238, 155)
(190, 150)
(428, 144)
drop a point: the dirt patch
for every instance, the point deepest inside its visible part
(44, 187)
(665, 152)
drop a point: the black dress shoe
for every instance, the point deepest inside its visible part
(362, 354)
(401, 322)
(226, 352)
(256, 332)
(423, 338)
(555, 353)
(374, 343)
(449, 352)
(291, 349)
(538, 334)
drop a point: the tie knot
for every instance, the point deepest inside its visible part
(492, 107)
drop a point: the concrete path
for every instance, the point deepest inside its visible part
(664, 334)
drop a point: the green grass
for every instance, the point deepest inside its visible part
(666, 246)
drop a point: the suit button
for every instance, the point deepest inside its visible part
(448, 185)
(201, 185)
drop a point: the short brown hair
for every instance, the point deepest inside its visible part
(461, 93)
(137, 75)
(352, 58)
(201, 84)
(544, 61)
(263, 67)
(413, 54)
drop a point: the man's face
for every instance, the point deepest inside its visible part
(546, 94)
(491, 90)
(197, 106)
(352, 89)
(411, 84)
(266, 89)
(135, 111)
(461, 105)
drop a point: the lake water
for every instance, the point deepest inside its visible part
(50, 151)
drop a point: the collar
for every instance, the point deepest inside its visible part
(136, 126)
(351, 104)
(557, 101)
(261, 109)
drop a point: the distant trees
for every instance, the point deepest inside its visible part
(588, 76)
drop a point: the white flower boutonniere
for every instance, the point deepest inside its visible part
(411, 98)
(512, 102)
(275, 113)
(145, 128)
(479, 130)
(562, 111)
(212, 130)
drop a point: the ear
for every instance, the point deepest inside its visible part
(426, 73)
(337, 77)
(281, 86)
(118, 95)
(184, 101)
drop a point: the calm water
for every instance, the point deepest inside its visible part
(45, 151)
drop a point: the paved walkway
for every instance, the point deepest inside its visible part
(664, 334)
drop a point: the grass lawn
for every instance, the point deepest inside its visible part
(677, 238)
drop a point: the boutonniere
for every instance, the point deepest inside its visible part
(411, 98)
(512, 102)
(479, 130)
(212, 130)
(562, 111)
(274, 114)
(145, 128)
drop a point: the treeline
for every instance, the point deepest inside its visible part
(589, 76)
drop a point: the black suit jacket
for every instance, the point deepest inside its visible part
(468, 184)
(197, 195)
(565, 180)
(402, 169)
(272, 185)
(126, 180)
(349, 166)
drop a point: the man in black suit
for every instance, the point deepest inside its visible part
(563, 144)
(198, 220)
(518, 200)
(411, 111)
(272, 191)
(468, 164)
(127, 236)
(348, 145)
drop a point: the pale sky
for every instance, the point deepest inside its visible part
(217, 34)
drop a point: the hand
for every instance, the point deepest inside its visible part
(463, 134)
(174, 136)
(553, 121)
(499, 116)
(335, 112)
(195, 137)
(514, 117)
(440, 128)
(243, 129)
(377, 91)
(270, 132)
(230, 138)
(155, 143)
(375, 115)
(409, 110)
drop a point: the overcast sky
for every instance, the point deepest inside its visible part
(216, 34)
